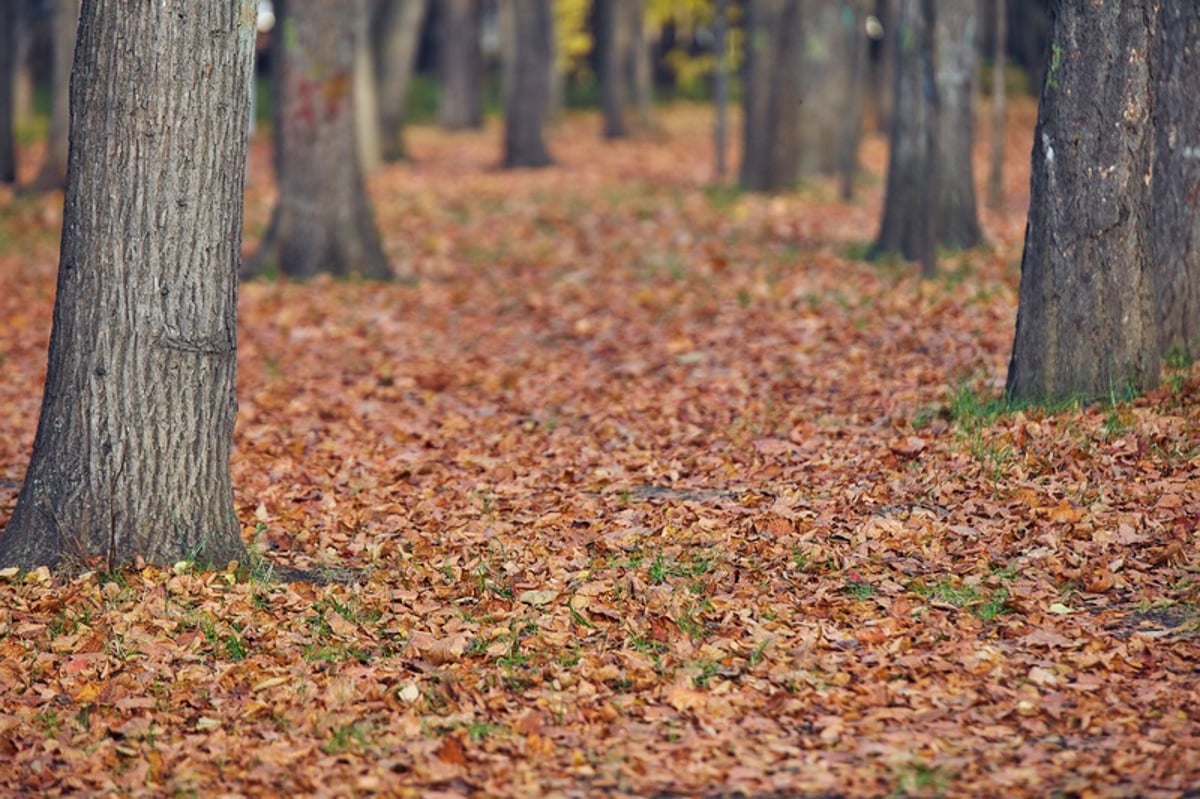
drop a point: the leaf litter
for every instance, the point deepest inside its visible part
(643, 487)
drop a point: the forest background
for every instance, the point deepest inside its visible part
(630, 481)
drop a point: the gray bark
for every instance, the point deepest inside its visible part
(460, 63)
(721, 89)
(53, 172)
(323, 220)
(397, 32)
(1086, 326)
(999, 92)
(8, 58)
(1176, 182)
(827, 85)
(770, 145)
(956, 47)
(614, 61)
(527, 98)
(366, 94)
(910, 196)
(131, 456)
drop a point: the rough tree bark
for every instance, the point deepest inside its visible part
(1175, 188)
(956, 56)
(8, 58)
(909, 200)
(770, 145)
(460, 63)
(53, 172)
(323, 221)
(1086, 325)
(397, 32)
(131, 456)
(527, 95)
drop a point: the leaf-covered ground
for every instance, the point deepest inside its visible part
(654, 489)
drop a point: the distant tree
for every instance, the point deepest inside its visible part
(323, 220)
(131, 457)
(829, 83)
(9, 13)
(460, 60)
(910, 199)
(721, 86)
(615, 49)
(1175, 186)
(396, 33)
(528, 81)
(956, 59)
(999, 92)
(1087, 324)
(774, 52)
(369, 143)
(53, 172)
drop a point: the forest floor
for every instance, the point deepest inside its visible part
(651, 488)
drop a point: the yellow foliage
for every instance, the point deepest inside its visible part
(572, 41)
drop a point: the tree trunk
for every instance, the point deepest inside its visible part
(397, 33)
(366, 94)
(956, 48)
(8, 62)
(856, 42)
(770, 154)
(527, 99)
(887, 12)
(641, 67)
(1175, 186)
(721, 88)
(827, 88)
(1086, 326)
(53, 172)
(999, 92)
(460, 59)
(909, 200)
(614, 60)
(323, 221)
(131, 456)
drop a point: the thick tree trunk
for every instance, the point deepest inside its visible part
(828, 88)
(323, 221)
(614, 61)
(909, 201)
(8, 60)
(770, 154)
(956, 47)
(397, 32)
(53, 172)
(1086, 325)
(1176, 183)
(527, 98)
(131, 456)
(460, 59)
(999, 94)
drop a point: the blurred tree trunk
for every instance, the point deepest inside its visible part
(858, 42)
(883, 82)
(956, 48)
(774, 53)
(8, 56)
(131, 456)
(323, 221)
(53, 172)
(1087, 326)
(460, 59)
(721, 88)
(910, 198)
(828, 88)
(614, 60)
(396, 36)
(366, 94)
(999, 96)
(529, 64)
(1029, 38)
(641, 67)
(1175, 187)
